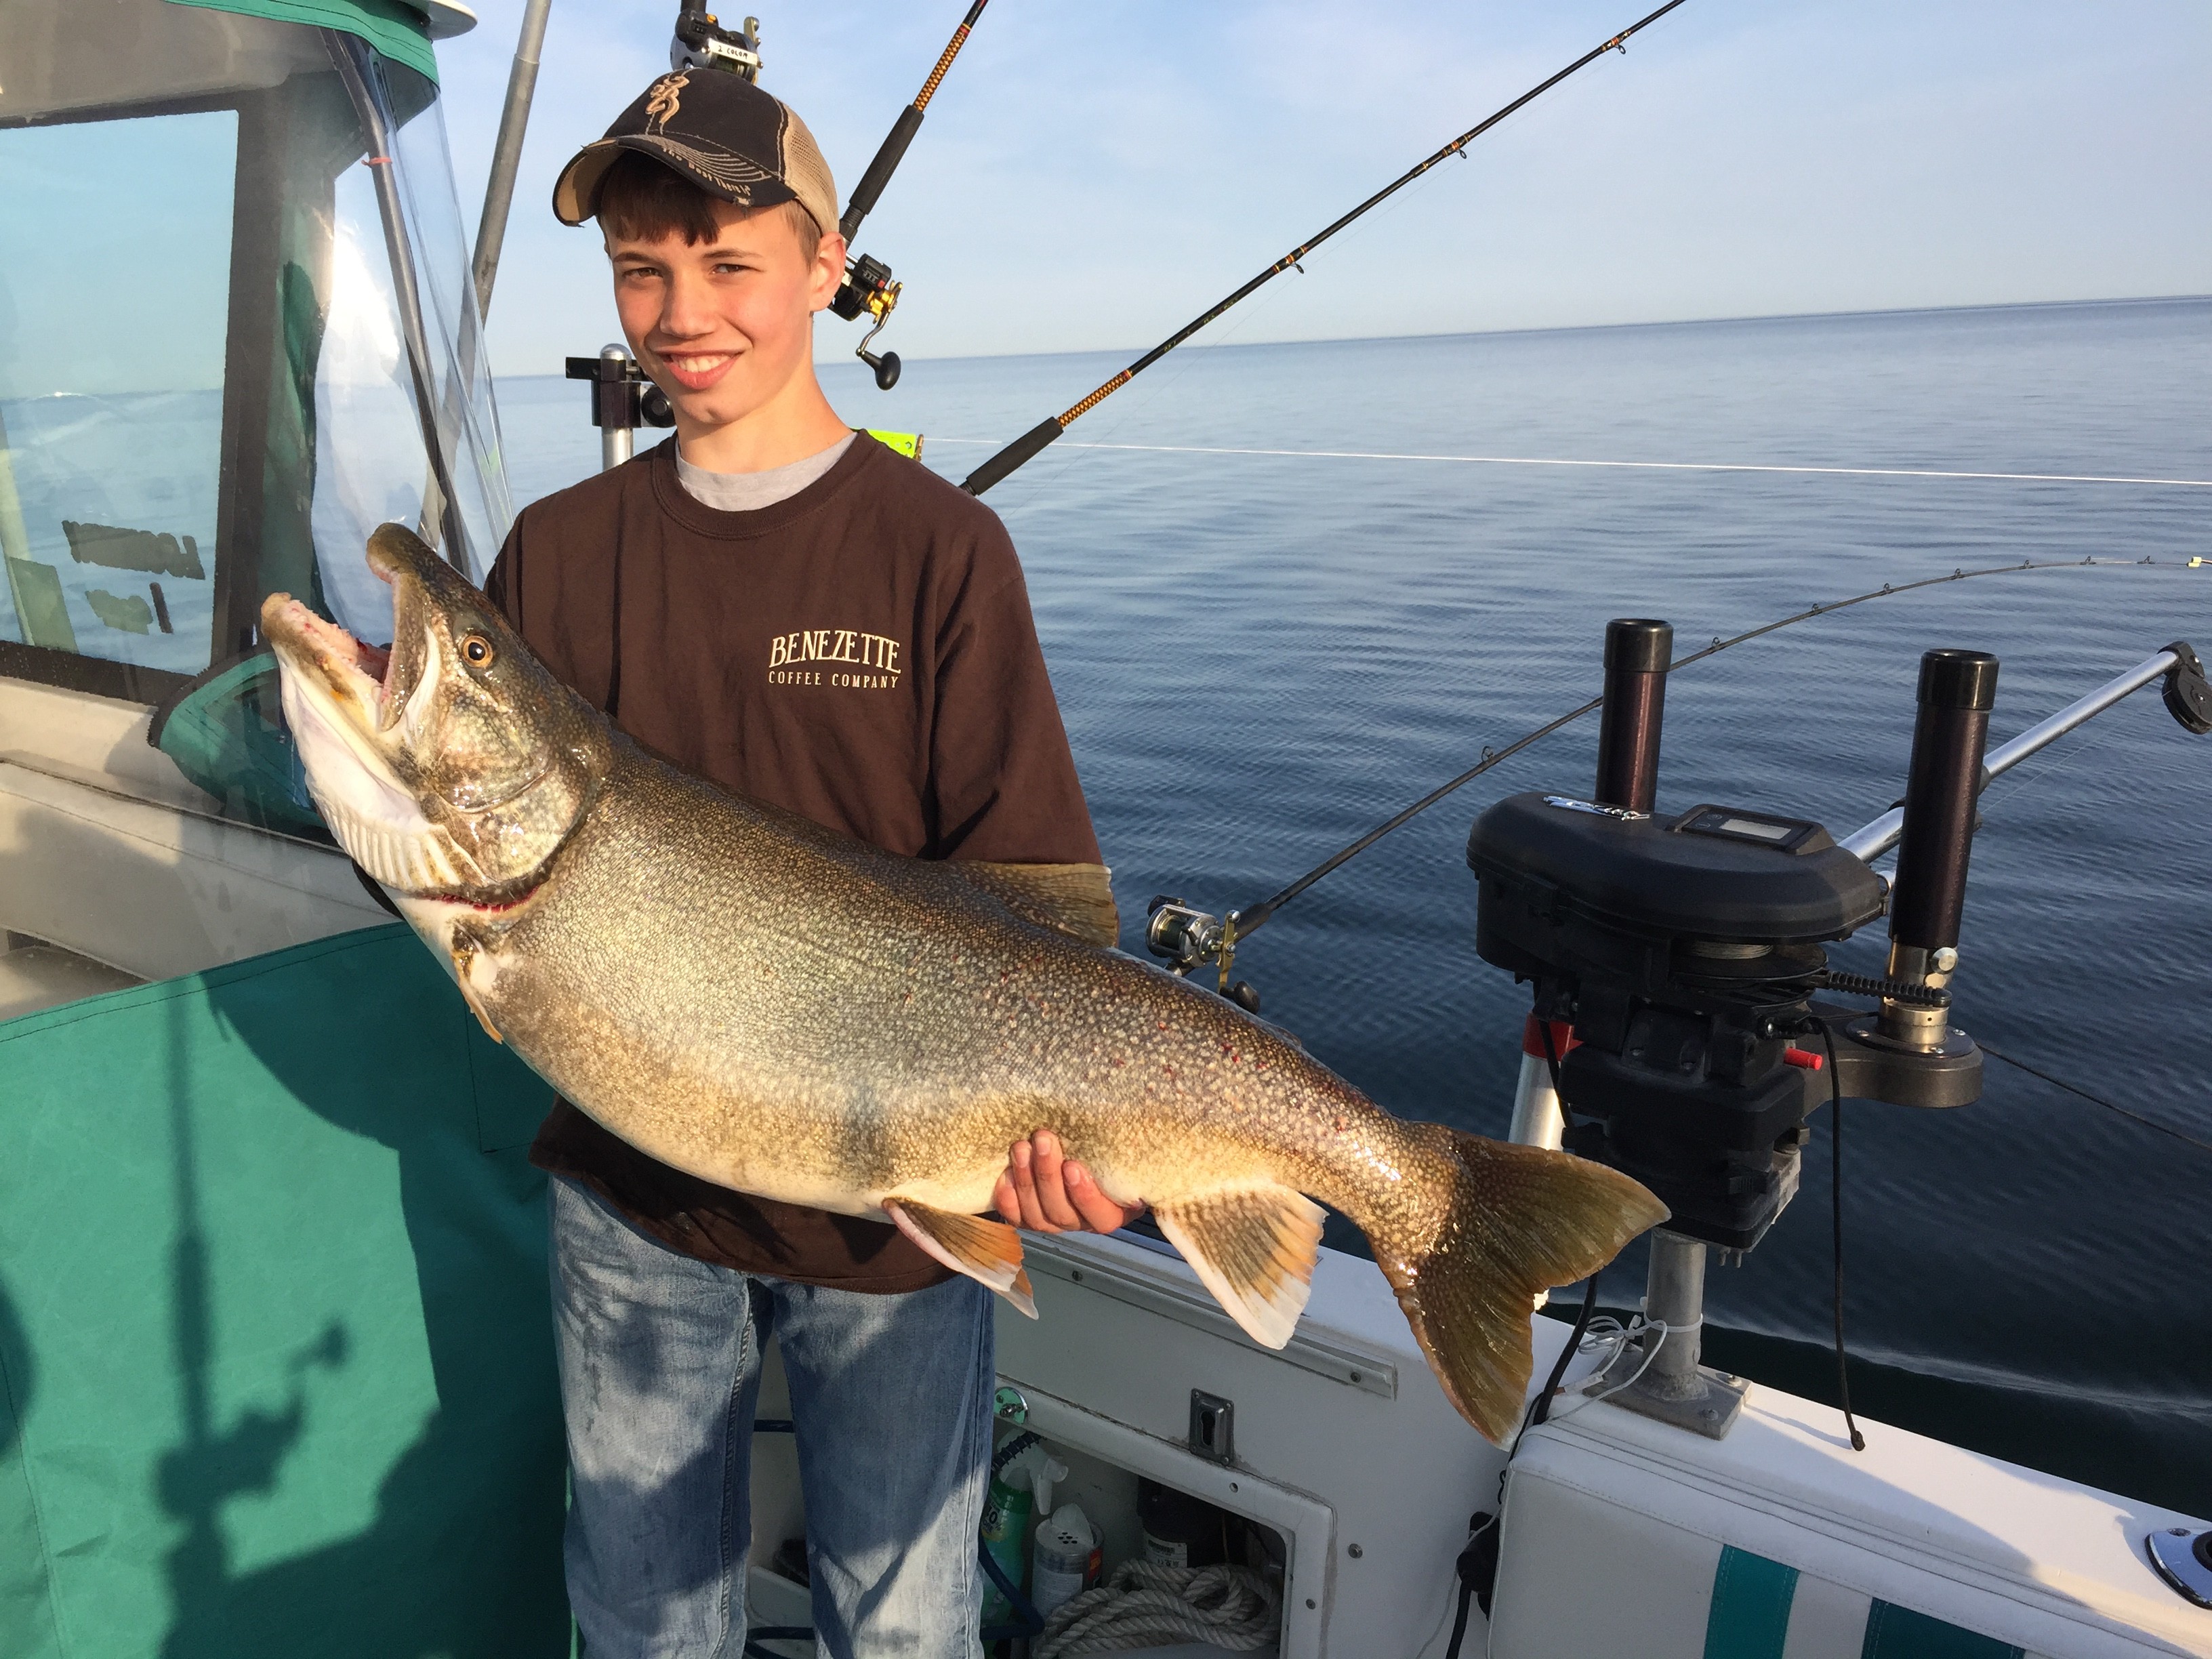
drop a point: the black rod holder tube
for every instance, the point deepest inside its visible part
(1957, 690)
(1637, 654)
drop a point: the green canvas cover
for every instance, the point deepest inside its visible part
(225, 729)
(399, 32)
(275, 1359)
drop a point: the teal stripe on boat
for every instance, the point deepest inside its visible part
(1895, 1632)
(1750, 1615)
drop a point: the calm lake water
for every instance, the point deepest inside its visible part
(1261, 656)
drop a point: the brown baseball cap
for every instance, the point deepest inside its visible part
(719, 131)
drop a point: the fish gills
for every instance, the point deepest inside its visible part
(1508, 1223)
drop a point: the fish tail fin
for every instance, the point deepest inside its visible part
(1517, 1221)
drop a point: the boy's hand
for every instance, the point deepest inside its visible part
(1049, 1193)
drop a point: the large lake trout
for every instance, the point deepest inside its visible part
(773, 1006)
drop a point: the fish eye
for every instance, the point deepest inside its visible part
(476, 651)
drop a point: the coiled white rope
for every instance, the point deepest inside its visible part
(1145, 1604)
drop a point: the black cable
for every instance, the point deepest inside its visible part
(2098, 1100)
(1243, 922)
(1836, 1216)
(1478, 1561)
(1033, 441)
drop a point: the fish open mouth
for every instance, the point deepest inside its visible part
(338, 695)
(352, 670)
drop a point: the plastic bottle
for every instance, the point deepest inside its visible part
(1180, 1530)
(1066, 1561)
(1006, 1511)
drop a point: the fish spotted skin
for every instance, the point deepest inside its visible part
(780, 1009)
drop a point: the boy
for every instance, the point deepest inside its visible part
(801, 615)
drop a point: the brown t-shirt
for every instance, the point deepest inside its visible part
(861, 653)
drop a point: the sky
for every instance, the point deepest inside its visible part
(1092, 176)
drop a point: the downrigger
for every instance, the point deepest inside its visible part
(1685, 1024)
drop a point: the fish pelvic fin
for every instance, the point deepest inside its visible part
(1516, 1220)
(989, 1252)
(1254, 1249)
(1074, 899)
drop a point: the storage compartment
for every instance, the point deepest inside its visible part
(1339, 1451)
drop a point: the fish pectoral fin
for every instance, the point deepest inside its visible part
(464, 957)
(1074, 899)
(1254, 1249)
(989, 1252)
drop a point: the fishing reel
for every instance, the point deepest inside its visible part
(1186, 938)
(702, 43)
(868, 287)
(1686, 952)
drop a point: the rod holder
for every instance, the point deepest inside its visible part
(1637, 651)
(1958, 688)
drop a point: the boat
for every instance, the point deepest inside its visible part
(273, 1331)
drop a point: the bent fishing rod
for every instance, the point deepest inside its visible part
(1186, 938)
(1033, 442)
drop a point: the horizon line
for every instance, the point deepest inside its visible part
(1548, 328)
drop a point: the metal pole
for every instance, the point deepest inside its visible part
(1674, 1294)
(506, 149)
(618, 442)
(1870, 841)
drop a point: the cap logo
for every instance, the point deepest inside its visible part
(663, 101)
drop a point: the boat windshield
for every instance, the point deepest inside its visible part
(237, 330)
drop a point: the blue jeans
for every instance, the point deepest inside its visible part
(661, 1364)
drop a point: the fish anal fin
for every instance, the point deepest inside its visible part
(1254, 1249)
(989, 1252)
(1074, 899)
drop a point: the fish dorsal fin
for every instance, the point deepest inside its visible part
(989, 1252)
(1254, 1249)
(1074, 899)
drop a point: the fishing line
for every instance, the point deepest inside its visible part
(2099, 1100)
(1633, 467)
(1047, 431)
(1239, 925)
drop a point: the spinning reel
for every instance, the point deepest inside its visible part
(868, 287)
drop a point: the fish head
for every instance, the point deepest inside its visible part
(451, 764)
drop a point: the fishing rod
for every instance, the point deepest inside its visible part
(868, 286)
(1038, 437)
(1186, 938)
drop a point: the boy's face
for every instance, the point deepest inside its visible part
(724, 326)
